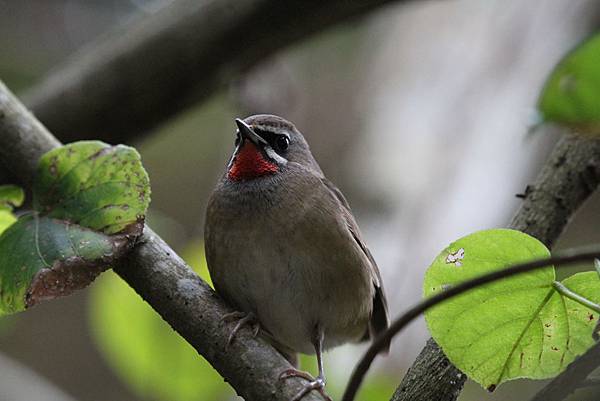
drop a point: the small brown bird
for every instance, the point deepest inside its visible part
(283, 247)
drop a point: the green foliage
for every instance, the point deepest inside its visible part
(146, 353)
(89, 202)
(11, 196)
(89, 183)
(571, 96)
(518, 327)
(64, 253)
(375, 388)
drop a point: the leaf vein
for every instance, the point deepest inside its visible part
(517, 342)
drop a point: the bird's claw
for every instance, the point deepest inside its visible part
(313, 384)
(242, 319)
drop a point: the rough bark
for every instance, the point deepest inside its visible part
(432, 377)
(155, 271)
(137, 77)
(567, 179)
(34, 138)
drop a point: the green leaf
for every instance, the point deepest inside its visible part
(513, 328)
(144, 351)
(89, 203)
(92, 184)
(50, 258)
(571, 95)
(11, 196)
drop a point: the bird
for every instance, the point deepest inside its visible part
(284, 249)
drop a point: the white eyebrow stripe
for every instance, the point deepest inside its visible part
(267, 128)
(271, 130)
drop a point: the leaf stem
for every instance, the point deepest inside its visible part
(563, 290)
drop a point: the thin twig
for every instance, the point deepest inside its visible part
(562, 259)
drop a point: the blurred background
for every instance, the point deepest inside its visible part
(419, 113)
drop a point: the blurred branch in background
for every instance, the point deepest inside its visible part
(136, 78)
(18, 383)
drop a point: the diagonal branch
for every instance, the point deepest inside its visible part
(155, 271)
(568, 178)
(135, 78)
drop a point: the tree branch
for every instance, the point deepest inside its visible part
(382, 341)
(568, 178)
(155, 271)
(34, 139)
(137, 77)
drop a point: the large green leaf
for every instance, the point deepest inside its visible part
(144, 351)
(571, 95)
(89, 202)
(513, 328)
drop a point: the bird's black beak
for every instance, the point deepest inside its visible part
(247, 132)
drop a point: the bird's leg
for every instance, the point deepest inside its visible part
(242, 319)
(313, 384)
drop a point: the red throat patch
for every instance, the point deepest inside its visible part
(250, 163)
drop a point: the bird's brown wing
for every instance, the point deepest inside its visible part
(379, 318)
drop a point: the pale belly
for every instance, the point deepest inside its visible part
(293, 280)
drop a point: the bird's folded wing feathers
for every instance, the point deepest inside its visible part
(379, 319)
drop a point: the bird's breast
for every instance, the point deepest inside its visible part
(292, 265)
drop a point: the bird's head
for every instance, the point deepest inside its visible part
(264, 145)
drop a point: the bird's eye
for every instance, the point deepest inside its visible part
(282, 143)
